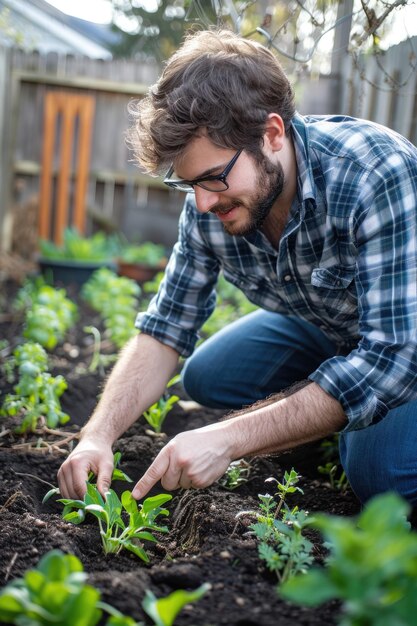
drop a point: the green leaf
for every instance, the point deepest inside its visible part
(52, 492)
(165, 610)
(138, 550)
(309, 589)
(10, 607)
(155, 501)
(82, 609)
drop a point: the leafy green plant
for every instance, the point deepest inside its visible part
(372, 566)
(49, 313)
(97, 248)
(282, 545)
(56, 593)
(116, 299)
(37, 393)
(156, 414)
(147, 253)
(53, 593)
(331, 467)
(236, 474)
(115, 532)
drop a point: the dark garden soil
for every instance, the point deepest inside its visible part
(206, 542)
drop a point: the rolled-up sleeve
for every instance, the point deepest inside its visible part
(186, 297)
(381, 372)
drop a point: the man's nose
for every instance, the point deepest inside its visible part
(205, 200)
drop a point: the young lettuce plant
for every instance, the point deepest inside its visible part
(49, 317)
(115, 532)
(55, 593)
(372, 567)
(156, 414)
(279, 530)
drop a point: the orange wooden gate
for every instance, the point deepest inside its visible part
(68, 119)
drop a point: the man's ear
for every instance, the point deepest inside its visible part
(274, 132)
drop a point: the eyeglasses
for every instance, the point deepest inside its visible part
(209, 183)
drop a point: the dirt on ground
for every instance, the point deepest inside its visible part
(206, 542)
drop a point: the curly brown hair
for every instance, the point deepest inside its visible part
(217, 83)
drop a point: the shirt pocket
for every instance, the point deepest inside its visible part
(336, 290)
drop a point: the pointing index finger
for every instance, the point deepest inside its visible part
(153, 474)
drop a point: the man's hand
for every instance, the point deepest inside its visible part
(193, 459)
(88, 456)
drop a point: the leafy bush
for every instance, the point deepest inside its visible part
(372, 566)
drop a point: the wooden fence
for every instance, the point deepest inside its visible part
(382, 89)
(117, 193)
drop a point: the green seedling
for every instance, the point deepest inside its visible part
(115, 532)
(37, 393)
(55, 593)
(99, 361)
(279, 529)
(331, 467)
(372, 566)
(156, 414)
(116, 299)
(236, 474)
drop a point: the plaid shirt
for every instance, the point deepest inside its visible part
(346, 262)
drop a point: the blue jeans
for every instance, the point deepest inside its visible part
(264, 353)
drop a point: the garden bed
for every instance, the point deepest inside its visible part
(205, 543)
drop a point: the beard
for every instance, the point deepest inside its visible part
(270, 183)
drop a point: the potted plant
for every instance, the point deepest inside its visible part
(78, 257)
(142, 261)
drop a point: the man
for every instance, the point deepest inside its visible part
(315, 220)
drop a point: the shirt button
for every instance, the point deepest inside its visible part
(287, 278)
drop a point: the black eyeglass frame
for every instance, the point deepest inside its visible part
(176, 184)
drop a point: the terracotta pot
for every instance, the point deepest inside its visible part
(138, 271)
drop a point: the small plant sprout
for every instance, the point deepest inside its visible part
(115, 532)
(331, 465)
(236, 474)
(156, 414)
(282, 544)
(289, 485)
(99, 361)
(372, 566)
